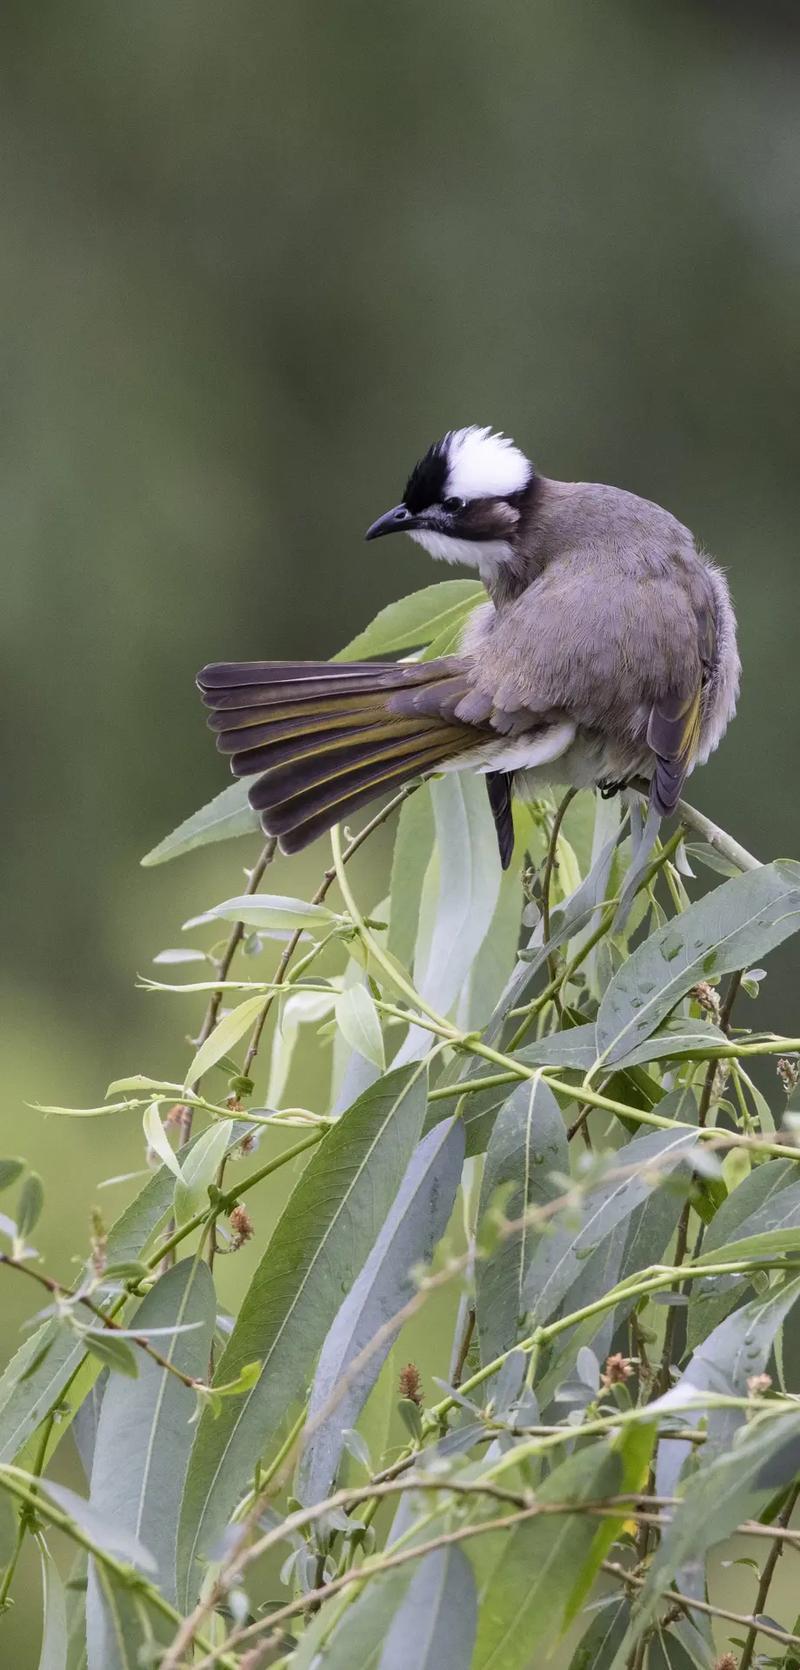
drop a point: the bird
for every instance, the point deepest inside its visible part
(605, 652)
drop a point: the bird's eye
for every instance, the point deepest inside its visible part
(452, 505)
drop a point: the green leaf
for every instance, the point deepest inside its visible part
(357, 1018)
(10, 1170)
(113, 1353)
(225, 1036)
(329, 1225)
(464, 877)
(200, 1168)
(157, 1140)
(143, 1433)
(434, 1625)
(229, 813)
(274, 910)
(756, 1202)
(738, 1348)
(26, 1394)
(735, 1486)
(116, 1634)
(413, 845)
(607, 1628)
(528, 1144)
(527, 1576)
(31, 1201)
(666, 1652)
(726, 930)
(104, 1529)
(415, 620)
(416, 1220)
(76, 1612)
(557, 1261)
(53, 1653)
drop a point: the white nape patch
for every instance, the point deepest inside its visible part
(487, 555)
(484, 465)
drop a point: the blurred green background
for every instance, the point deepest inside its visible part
(254, 259)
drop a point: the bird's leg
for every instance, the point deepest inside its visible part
(608, 788)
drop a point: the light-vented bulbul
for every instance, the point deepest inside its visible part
(606, 651)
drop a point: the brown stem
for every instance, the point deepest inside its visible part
(222, 969)
(57, 1290)
(463, 1349)
(317, 899)
(767, 1574)
(629, 1578)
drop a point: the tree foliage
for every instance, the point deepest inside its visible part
(617, 1393)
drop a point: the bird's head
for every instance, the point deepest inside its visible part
(464, 500)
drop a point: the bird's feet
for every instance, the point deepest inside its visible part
(608, 788)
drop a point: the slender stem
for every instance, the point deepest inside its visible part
(547, 880)
(708, 1611)
(528, 1011)
(766, 1577)
(317, 899)
(464, 1345)
(390, 968)
(58, 1291)
(223, 967)
(18, 1484)
(26, 1514)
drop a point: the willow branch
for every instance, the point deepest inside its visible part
(687, 1605)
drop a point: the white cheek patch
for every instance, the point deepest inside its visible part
(483, 465)
(487, 555)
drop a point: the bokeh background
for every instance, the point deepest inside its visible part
(253, 259)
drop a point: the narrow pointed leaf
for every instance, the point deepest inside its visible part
(728, 929)
(330, 1223)
(53, 1653)
(200, 1168)
(558, 1258)
(115, 1630)
(413, 621)
(434, 1626)
(526, 1576)
(417, 1219)
(26, 1394)
(228, 814)
(225, 1036)
(737, 1349)
(157, 1140)
(144, 1436)
(607, 1629)
(357, 1018)
(756, 1203)
(273, 910)
(528, 1144)
(733, 1487)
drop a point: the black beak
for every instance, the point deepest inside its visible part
(399, 520)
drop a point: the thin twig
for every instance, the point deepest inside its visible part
(687, 1605)
(57, 1290)
(766, 1577)
(223, 968)
(317, 899)
(547, 880)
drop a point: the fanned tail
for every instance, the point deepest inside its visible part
(323, 739)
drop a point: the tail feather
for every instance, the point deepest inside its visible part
(323, 739)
